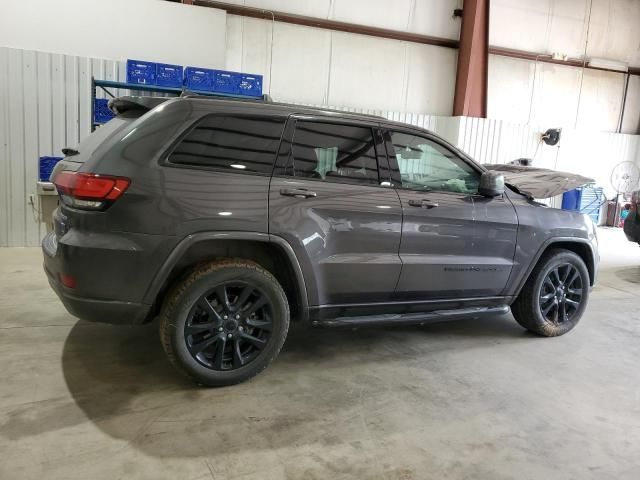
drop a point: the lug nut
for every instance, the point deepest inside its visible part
(225, 317)
(229, 336)
(237, 317)
(241, 328)
(220, 329)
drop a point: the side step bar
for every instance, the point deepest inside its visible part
(411, 318)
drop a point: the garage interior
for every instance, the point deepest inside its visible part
(466, 399)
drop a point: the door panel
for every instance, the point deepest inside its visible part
(348, 235)
(343, 226)
(455, 243)
(495, 233)
(437, 245)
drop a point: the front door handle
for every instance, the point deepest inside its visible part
(423, 203)
(297, 192)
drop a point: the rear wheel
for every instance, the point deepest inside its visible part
(225, 322)
(555, 296)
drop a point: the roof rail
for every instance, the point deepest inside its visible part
(213, 96)
(267, 99)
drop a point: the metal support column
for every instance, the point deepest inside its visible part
(471, 77)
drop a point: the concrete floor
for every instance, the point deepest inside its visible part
(470, 399)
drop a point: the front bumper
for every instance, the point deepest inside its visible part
(86, 308)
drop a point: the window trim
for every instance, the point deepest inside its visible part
(395, 168)
(286, 142)
(164, 158)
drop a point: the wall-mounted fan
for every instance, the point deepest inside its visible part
(625, 177)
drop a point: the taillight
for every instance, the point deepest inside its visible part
(67, 280)
(89, 191)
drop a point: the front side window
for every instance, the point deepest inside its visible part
(240, 144)
(334, 153)
(426, 165)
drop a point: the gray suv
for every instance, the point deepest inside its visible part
(227, 219)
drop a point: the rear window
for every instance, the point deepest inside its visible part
(87, 146)
(238, 144)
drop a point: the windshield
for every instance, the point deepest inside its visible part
(87, 146)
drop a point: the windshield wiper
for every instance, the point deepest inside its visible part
(70, 152)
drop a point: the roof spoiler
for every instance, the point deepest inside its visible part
(135, 105)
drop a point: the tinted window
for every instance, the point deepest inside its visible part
(426, 165)
(338, 153)
(237, 144)
(98, 137)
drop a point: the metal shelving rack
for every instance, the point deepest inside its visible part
(106, 84)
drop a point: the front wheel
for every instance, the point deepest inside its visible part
(555, 296)
(225, 322)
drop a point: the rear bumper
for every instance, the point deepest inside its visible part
(85, 307)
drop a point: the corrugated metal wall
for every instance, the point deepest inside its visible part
(45, 106)
(590, 153)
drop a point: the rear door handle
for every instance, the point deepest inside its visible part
(297, 192)
(423, 203)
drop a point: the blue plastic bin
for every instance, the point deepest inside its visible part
(199, 78)
(169, 75)
(101, 112)
(141, 72)
(227, 82)
(250, 85)
(571, 200)
(587, 199)
(45, 167)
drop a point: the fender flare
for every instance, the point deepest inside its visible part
(187, 242)
(545, 245)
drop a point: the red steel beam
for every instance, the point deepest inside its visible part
(470, 98)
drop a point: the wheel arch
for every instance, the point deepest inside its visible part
(579, 246)
(271, 252)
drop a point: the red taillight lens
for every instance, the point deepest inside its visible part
(89, 190)
(67, 280)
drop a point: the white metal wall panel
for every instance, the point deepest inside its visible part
(4, 148)
(592, 154)
(45, 105)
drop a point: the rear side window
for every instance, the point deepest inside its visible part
(334, 153)
(239, 144)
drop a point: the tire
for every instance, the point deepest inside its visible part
(548, 311)
(199, 330)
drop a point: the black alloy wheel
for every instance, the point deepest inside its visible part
(561, 294)
(228, 326)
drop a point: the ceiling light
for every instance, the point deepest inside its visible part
(238, 166)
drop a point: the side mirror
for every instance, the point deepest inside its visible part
(491, 184)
